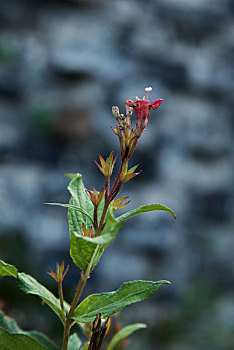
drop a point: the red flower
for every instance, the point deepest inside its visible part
(142, 110)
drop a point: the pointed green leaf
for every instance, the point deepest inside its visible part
(77, 190)
(74, 342)
(42, 339)
(80, 199)
(86, 250)
(124, 333)
(100, 209)
(10, 341)
(102, 240)
(109, 303)
(132, 169)
(112, 225)
(145, 209)
(71, 176)
(7, 269)
(30, 285)
(79, 209)
(12, 337)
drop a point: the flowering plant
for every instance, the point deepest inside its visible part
(92, 227)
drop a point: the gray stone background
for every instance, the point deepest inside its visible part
(63, 64)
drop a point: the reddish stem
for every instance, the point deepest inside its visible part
(95, 218)
(126, 156)
(116, 180)
(117, 190)
(133, 147)
(107, 187)
(103, 216)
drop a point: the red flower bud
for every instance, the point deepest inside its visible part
(142, 111)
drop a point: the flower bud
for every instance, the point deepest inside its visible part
(115, 111)
(142, 110)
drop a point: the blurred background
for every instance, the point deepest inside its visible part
(63, 64)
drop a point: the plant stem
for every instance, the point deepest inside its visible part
(133, 147)
(103, 215)
(116, 180)
(117, 190)
(95, 218)
(126, 156)
(60, 293)
(69, 322)
(107, 187)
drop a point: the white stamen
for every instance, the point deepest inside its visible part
(148, 88)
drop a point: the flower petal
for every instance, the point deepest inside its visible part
(155, 103)
(130, 103)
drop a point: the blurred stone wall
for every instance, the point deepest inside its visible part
(63, 64)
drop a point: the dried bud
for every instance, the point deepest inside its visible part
(95, 196)
(107, 166)
(87, 233)
(128, 177)
(59, 276)
(99, 330)
(111, 163)
(128, 174)
(118, 204)
(124, 171)
(116, 130)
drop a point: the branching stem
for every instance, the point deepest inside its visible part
(69, 322)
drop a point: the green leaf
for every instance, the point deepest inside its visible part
(86, 250)
(30, 285)
(8, 323)
(79, 209)
(74, 342)
(124, 333)
(7, 269)
(145, 209)
(71, 176)
(10, 341)
(42, 339)
(80, 199)
(112, 225)
(12, 337)
(130, 171)
(109, 303)
(100, 209)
